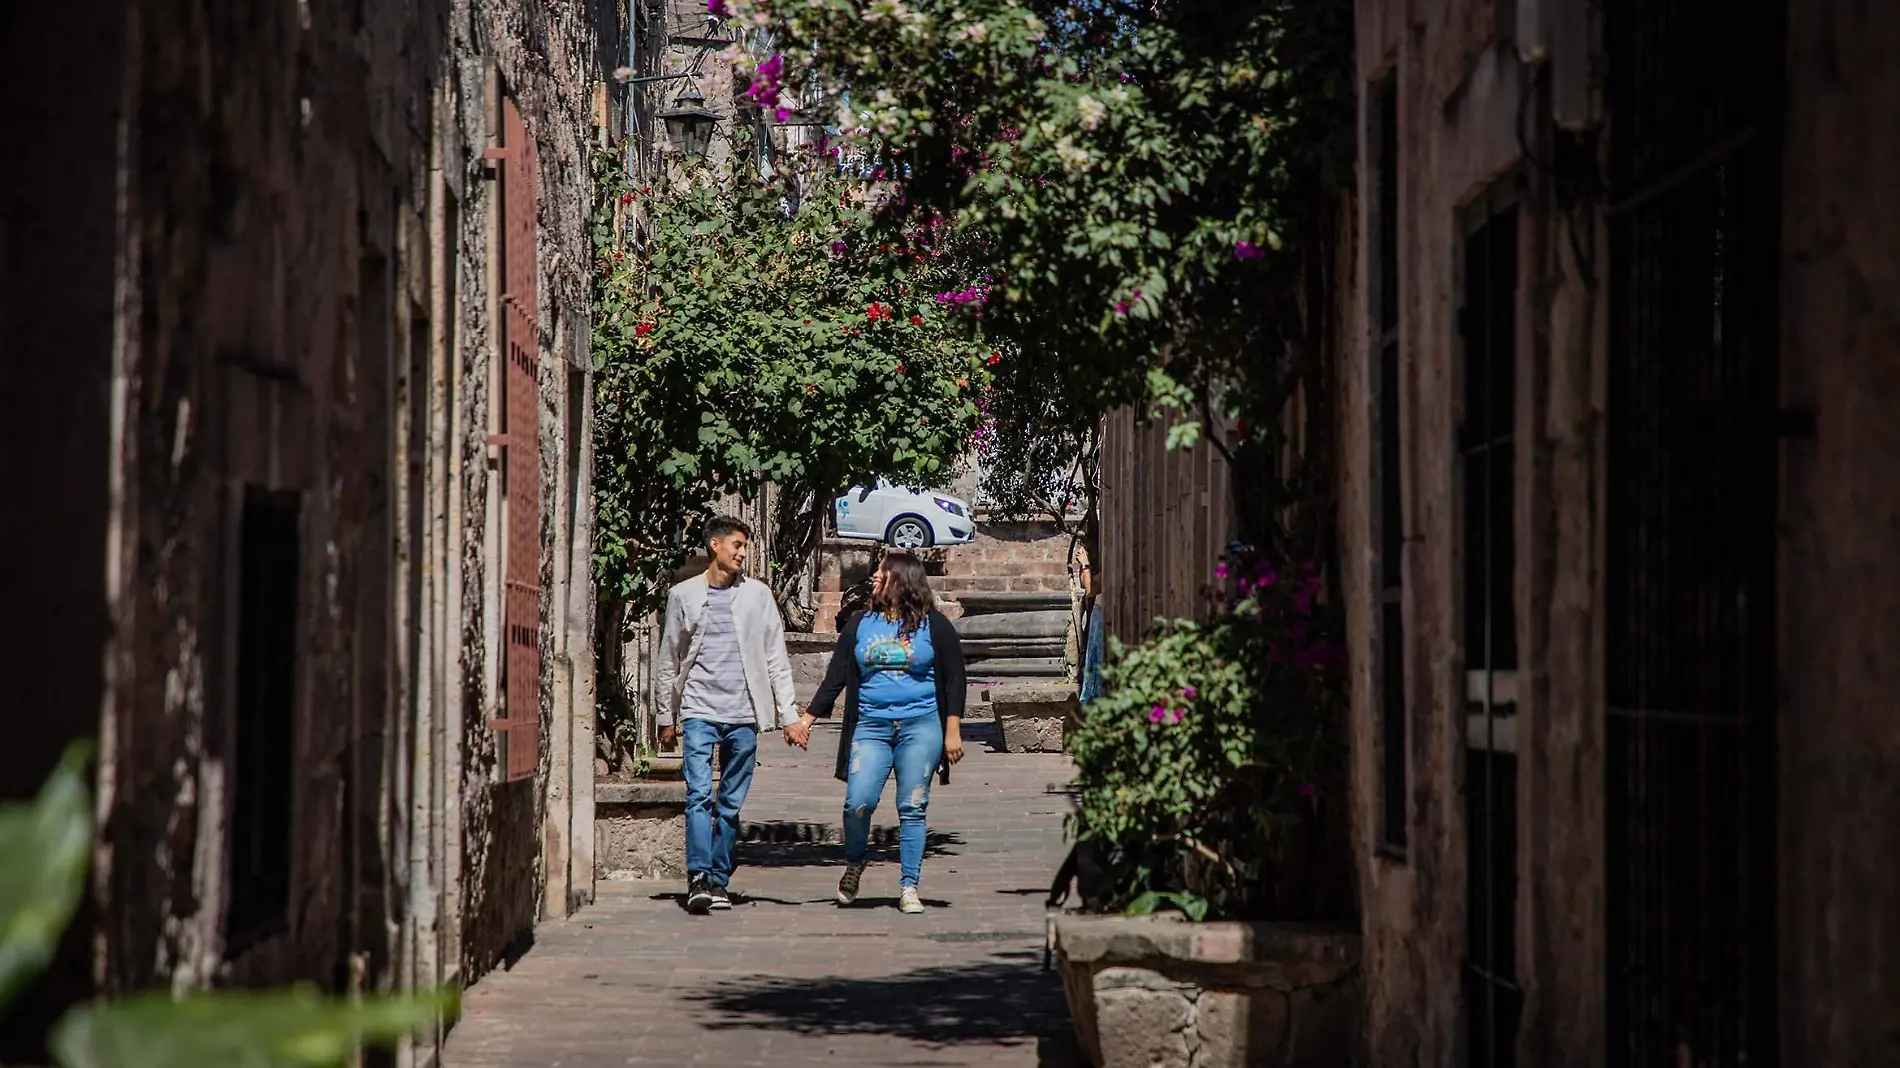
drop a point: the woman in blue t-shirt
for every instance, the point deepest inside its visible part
(900, 668)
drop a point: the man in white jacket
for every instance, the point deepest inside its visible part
(723, 676)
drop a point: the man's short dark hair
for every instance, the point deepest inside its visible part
(720, 526)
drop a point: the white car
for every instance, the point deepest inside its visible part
(903, 517)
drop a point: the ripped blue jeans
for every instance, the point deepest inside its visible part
(913, 747)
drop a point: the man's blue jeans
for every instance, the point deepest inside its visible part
(914, 747)
(712, 822)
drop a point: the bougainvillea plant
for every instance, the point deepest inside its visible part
(1153, 186)
(1204, 753)
(751, 329)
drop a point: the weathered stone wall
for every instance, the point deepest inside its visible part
(270, 232)
(1463, 97)
(549, 59)
(1471, 113)
(1839, 775)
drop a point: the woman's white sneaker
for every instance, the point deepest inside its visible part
(848, 883)
(909, 903)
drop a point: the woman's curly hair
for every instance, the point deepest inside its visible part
(906, 597)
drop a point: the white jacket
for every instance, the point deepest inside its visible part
(761, 635)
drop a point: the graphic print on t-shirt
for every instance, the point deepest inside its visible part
(898, 669)
(888, 653)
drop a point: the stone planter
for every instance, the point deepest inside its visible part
(1033, 719)
(1150, 992)
(640, 830)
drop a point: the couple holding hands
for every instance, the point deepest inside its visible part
(724, 676)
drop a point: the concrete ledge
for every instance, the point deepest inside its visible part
(1033, 719)
(640, 830)
(1154, 993)
(665, 792)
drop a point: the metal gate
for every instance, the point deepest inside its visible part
(1690, 533)
(520, 740)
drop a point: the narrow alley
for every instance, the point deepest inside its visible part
(787, 978)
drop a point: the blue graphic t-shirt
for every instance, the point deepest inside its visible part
(898, 678)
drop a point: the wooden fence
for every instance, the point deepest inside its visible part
(1166, 519)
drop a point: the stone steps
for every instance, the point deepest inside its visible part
(1025, 667)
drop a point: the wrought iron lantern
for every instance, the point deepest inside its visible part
(690, 123)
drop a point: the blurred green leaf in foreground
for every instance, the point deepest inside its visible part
(47, 845)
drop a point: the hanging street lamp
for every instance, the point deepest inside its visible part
(689, 123)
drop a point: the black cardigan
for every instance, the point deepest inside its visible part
(842, 677)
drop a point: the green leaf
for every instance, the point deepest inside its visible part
(296, 1028)
(47, 845)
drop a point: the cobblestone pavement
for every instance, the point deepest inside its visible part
(787, 978)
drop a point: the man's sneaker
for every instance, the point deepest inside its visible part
(699, 898)
(909, 903)
(848, 883)
(721, 898)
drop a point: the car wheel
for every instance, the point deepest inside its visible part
(909, 532)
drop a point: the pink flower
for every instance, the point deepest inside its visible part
(837, 247)
(1220, 570)
(1157, 714)
(1189, 692)
(718, 9)
(767, 81)
(1247, 250)
(1308, 789)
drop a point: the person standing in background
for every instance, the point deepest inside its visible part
(723, 676)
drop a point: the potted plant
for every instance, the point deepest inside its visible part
(1206, 773)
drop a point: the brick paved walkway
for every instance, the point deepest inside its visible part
(787, 978)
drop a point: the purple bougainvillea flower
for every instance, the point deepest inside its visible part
(1308, 789)
(782, 115)
(1190, 692)
(718, 9)
(1247, 250)
(1220, 570)
(1157, 714)
(838, 247)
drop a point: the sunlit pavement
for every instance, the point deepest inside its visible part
(787, 977)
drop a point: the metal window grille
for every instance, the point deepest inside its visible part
(1487, 455)
(520, 741)
(1690, 514)
(1389, 519)
(261, 828)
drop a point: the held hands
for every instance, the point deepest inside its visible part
(799, 733)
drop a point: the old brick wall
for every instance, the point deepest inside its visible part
(1839, 775)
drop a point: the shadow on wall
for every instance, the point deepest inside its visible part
(1008, 997)
(789, 844)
